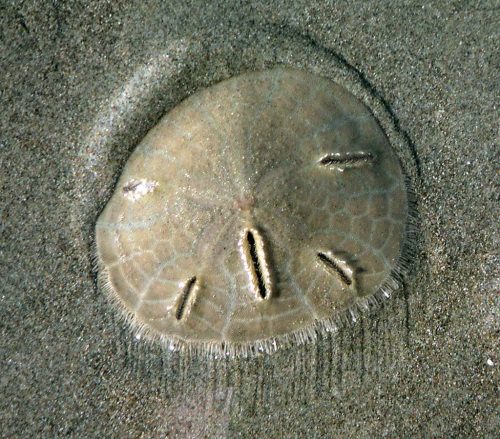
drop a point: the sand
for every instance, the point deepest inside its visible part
(80, 86)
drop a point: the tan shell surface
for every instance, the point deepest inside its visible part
(252, 211)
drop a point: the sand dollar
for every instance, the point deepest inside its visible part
(255, 212)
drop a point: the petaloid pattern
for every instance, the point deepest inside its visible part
(255, 212)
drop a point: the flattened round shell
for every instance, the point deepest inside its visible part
(254, 210)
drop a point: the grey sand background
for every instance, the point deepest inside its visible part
(81, 83)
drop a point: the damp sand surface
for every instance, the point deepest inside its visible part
(424, 363)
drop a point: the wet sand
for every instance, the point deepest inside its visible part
(82, 84)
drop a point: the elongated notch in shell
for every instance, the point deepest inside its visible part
(342, 161)
(186, 299)
(339, 267)
(134, 189)
(256, 265)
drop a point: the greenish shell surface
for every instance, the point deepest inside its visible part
(255, 212)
